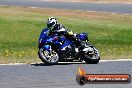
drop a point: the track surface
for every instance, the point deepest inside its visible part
(59, 76)
(100, 7)
(62, 75)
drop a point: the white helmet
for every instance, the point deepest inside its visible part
(51, 22)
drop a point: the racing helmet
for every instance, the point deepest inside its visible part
(51, 22)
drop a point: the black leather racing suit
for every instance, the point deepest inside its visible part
(60, 30)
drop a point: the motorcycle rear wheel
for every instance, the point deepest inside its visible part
(92, 60)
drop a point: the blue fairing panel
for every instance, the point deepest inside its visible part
(66, 44)
(43, 34)
(82, 36)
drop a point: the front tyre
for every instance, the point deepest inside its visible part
(48, 57)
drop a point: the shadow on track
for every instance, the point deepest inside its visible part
(60, 63)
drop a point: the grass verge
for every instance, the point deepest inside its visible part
(20, 28)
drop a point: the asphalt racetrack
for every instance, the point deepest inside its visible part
(100, 7)
(62, 75)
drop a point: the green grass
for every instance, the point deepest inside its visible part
(20, 29)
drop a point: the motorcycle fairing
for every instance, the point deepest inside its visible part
(82, 36)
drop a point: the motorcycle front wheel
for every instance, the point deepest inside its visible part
(48, 57)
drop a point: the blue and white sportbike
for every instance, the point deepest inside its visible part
(54, 49)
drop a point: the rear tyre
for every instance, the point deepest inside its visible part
(48, 58)
(91, 61)
(94, 59)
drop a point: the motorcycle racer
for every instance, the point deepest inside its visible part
(56, 43)
(56, 28)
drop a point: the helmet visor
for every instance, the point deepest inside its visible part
(49, 25)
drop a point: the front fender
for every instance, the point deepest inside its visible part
(47, 47)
